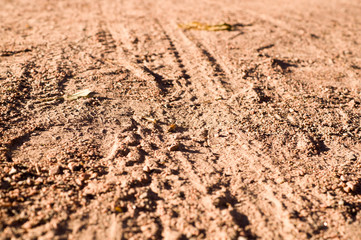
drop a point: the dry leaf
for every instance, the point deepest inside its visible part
(83, 93)
(172, 127)
(206, 27)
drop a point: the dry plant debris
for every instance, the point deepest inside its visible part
(250, 134)
(86, 93)
(206, 27)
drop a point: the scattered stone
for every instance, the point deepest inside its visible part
(350, 187)
(29, 182)
(351, 157)
(341, 184)
(143, 179)
(177, 136)
(347, 189)
(131, 140)
(292, 119)
(204, 133)
(150, 230)
(55, 170)
(351, 103)
(39, 181)
(143, 195)
(93, 175)
(131, 191)
(135, 156)
(84, 176)
(13, 171)
(279, 180)
(241, 238)
(74, 166)
(27, 225)
(172, 234)
(122, 151)
(300, 172)
(304, 143)
(174, 147)
(79, 182)
(146, 169)
(143, 131)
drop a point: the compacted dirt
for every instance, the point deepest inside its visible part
(252, 133)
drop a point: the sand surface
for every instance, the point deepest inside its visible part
(252, 133)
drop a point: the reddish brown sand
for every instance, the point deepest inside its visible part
(246, 134)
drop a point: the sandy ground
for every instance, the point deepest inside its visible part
(252, 133)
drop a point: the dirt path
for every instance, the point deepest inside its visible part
(252, 133)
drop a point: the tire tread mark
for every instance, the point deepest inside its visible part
(140, 71)
(217, 74)
(105, 38)
(255, 154)
(8, 53)
(185, 75)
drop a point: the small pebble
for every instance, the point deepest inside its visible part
(352, 157)
(29, 182)
(84, 176)
(292, 119)
(204, 133)
(12, 171)
(177, 136)
(55, 170)
(27, 225)
(146, 169)
(279, 180)
(39, 181)
(74, 166)
(131, 140)
(241, 238)
(79, 182)
(94, 175)
(347, 189)
(143, 178)
(351, 185)
(143, 195)
(174, 147)
(135, 156)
